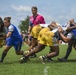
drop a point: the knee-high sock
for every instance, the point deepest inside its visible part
(69, 49)
(3, 56)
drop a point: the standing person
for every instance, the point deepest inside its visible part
(13, 38)
(35, 18)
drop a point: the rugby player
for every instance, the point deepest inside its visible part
(71, 28)
(46, 39)
(13, 38)
(2, 32)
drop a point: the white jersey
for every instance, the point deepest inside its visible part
(64, 28)
(55, 30)
(44, 25)
(69, 35)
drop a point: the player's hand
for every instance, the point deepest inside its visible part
(60, 29)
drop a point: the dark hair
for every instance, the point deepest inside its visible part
(34, 7)
(1, 24)
(7, 19)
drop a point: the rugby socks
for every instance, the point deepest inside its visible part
(46, 59)
(3, 56)
(69, 49)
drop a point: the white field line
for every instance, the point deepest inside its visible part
(46, 70)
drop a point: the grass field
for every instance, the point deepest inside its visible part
(11, 65)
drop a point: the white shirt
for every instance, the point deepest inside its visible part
(44, 25)
(11, 28)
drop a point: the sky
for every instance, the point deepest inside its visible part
(60, 11)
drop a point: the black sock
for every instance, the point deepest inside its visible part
(3, 56)
(69, 49)
(45, 57)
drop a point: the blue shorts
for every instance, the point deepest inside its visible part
(17, 44)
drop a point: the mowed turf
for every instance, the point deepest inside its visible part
(11, 65)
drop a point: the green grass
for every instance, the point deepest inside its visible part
(11, 65)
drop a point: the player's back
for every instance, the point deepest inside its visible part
(42, 32)
(35, 31)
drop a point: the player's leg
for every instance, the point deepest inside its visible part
(5, 52)
(18, 48)
(8, 46)
(33, 45)
(74, 44)
(38, 48)
(54, 52)
(69, 49)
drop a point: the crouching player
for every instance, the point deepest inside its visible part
(47, 39)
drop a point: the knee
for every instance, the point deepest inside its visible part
(35, 51)
(57, 53)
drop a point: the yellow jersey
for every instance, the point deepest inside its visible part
(48, 39)
(35, 31)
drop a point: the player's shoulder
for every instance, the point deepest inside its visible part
(40, 16)
(11, 27)
(31, 17)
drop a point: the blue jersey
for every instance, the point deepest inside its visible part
(15, 34)
(15, 38)
(74, 31)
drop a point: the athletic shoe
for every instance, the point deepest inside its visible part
(42, 59)
(23, 59)
(1, 60)
(33, 56)
(49, 60)
(62, 59)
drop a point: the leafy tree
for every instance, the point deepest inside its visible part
(23, 26)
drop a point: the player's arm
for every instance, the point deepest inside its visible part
(8, 34)
(71, 27)
(64, 38)
(30, 26)
(29, 29)
(10, 30)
